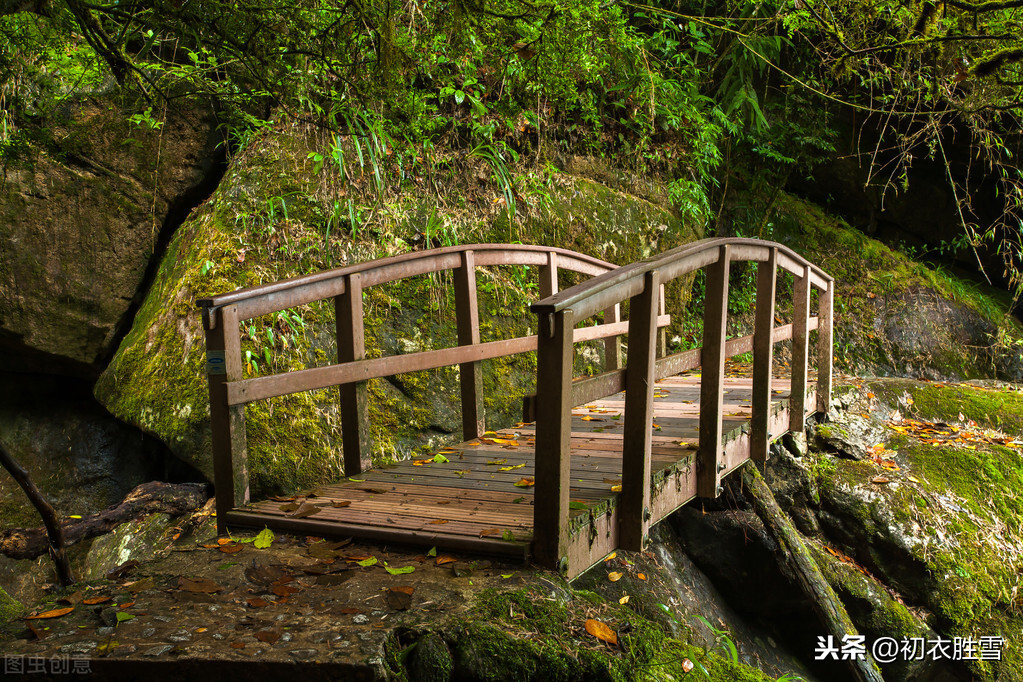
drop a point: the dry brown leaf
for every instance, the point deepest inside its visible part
(601, 631)
(289, 507)
(489, 531)
(54, 613)
(337, 504)
(237, 645)
(257, 602)
(641, 576)
(441, 560)
(880, 480)
(231, 549)
(91, 601)
(437, 522)
(304, 510)
(267, 636)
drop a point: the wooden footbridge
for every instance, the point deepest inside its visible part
(600, 459)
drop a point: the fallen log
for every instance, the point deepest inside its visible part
(148, 498)
(796, 557)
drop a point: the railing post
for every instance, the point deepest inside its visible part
(715, 315)
(763, 357)
(613, 344)
(227, 422)
(468, 323)
(825, 341)
(634, 506)
(662, 333)
(351, 345)
(800, 344)
(553, 438)
(549, 276)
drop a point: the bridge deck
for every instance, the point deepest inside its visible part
(481, 500)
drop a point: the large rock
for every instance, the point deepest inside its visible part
(82, 211)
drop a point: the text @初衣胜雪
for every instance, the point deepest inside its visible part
(890, 649)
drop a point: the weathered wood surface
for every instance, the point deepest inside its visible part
(472, 502)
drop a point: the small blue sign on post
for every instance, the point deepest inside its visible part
(216, 362)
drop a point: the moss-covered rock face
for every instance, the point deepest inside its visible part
(895, 316)
(935, 513)
(81, 214)
(275, 216)
(10, 609)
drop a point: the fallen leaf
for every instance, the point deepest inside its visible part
(616, 488)
(289, 507)
(441, 560)
(54, 613)
(440, 459)
(489, 531)
(367, 562)
(432, 552)
(525, 482)
(304, 510)
(517, 466)
(374, 491)
(610, 556)
(338, 504)
(588, 418)
(498, 461)
(400, 571)
(577, 505)
(123, 616)
(267, 636)
(641, 576)
(880, 479)
(614, 576)
(91, 601)
(257, 602)
(231, 549)
(624, 600)
(284, 590)
(438, 522)
(399, 598)
(601, 631)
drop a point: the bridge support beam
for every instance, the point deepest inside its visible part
(553, 439)
(715, 315)
(763, 357)
(634, 507)
(227, 422)
(351, 345)
(825, 325)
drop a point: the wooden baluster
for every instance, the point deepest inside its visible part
(800, 344)
(553, 438)
(715, 315)
(634, 506)
(825, 352)
(662, 334)
(227, 422)
(763, 357)
(351, 345)
(468, 322)
(613, 344)
(549, 276)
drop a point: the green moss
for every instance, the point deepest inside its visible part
(999, 409)
(10, 608)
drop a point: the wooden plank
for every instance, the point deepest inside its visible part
(549, 276)
(800, 346)
(763, 356)
(311, 526)
(825, 342)
(351, 346)
(634, 505)
(715, 316)
(468, 322)
(553, 437)
(227, 422)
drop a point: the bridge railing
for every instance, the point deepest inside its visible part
(641, 283)
(230, 391)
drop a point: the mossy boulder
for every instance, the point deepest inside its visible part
(139, 540)
(274, 216)
(81, 214)
(10, 608)
(935, 515)
(895, 316)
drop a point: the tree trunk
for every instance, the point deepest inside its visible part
(796, 557)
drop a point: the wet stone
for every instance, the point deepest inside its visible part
(287, 636)
(217, 636)
(180, 636)
(163, 619)
(83, 647)
(158, 650)
(360, 619)
(147, 633)
(303, 654)
(104, 631)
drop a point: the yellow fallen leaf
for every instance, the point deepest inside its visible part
(641, 576)
(616, 488)
(525, 482)
(601, 631)
(517, 466)
(624, 600)
(614, 576)
(610, 556)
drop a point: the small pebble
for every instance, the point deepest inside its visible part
(180, 636)
(104, 631)
(217, 636)
(303, 654)
(158, 650)
(360, 619)
(83, 647)
(147, 633)
(163, 619)
(287, 636)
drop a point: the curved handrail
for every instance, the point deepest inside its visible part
(289, 293)
(625, 282)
